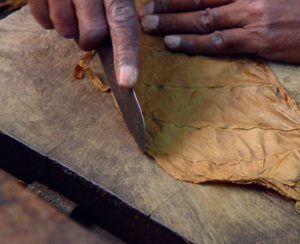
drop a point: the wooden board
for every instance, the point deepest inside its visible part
(71, 121)
(27, 219)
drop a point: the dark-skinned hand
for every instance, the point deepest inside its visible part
(90, 22)
(268, 28)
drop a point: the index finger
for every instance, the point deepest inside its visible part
(123, 25)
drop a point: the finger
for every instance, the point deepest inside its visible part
(62, 15)
(288, 55)
(204, 21)
(40, 10)
(171, 6)
(229, 41)
(92, 23)
(123, 25)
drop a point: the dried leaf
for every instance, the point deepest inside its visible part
(83, 68)
(78, 72)
(96, 81)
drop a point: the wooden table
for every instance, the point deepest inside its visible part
(73, 123)
(24, 218)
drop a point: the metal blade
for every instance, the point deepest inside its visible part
(125, 98)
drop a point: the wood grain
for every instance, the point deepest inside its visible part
(69, 120)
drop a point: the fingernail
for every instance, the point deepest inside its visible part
(146, 9)
(172, 41)
(150, 22)
(127, 76)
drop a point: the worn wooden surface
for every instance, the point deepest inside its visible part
(70, 120)
(24, 218)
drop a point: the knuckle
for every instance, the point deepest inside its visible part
(67, 32)
(205, 21)
(92, 35)
(122, 11)
(57, 15)
(220, 41)
(258, 8)
(46, 24)
(62, 24)
(263, 36)
(85, 46)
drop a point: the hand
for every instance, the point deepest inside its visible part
(268, 28)
(90, 22)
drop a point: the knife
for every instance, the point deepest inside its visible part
(125, 98)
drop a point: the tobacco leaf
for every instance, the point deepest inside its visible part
(218, 119)
(83, 68)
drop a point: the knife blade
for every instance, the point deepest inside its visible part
(125, 98)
